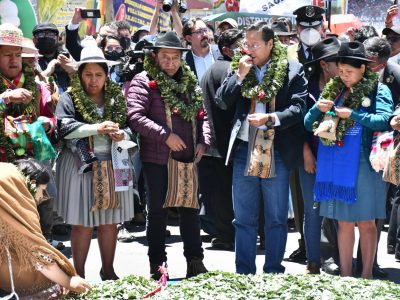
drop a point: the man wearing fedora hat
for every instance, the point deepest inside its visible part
(165, 108)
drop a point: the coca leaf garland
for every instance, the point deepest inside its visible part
(171, 89)
(273, 78)
(354, 100)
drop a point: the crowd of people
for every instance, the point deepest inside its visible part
(234, 122)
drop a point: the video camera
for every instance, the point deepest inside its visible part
(132, 63)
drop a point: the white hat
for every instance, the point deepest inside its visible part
(11, 35)
(92, 55)
(29, 49)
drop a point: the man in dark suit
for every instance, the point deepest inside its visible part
(266, 143)
(202, 54)
(220, 176)
(201, 57)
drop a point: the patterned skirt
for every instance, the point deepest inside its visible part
(75, 197)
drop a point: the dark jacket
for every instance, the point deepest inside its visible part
(220, 120)
(290, 107)
(146, 116)
(190, 60)
(72, 43)
(391, 77)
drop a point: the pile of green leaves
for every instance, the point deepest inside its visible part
(224, 285)
(130, 287)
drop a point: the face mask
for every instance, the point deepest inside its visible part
(125, 42)
(46, 45)
(113, 55)
(309, 37)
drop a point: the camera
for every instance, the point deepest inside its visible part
(167, 5)
(132, 63)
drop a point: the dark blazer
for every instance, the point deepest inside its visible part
(190, 60)
(220, 120)
(290, 108)
(72, 43)
(391, 77)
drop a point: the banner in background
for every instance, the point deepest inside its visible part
(60, 12)
(19, 13)
(221, 6)
(272, 7)
(371, 12)
(138, 13)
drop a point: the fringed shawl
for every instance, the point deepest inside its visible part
(20, 233)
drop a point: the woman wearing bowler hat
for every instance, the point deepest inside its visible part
(323, 68)
(351, 107)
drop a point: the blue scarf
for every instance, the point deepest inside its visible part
(337, 168)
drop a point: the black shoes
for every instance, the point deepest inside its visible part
(313, 268)
(330, 267)
(195, 267)
(217, 243)
(298, 256)
(390, 249)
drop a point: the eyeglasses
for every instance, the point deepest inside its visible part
(117, 49)
(253, 47)
(200, 31)
(49, 34)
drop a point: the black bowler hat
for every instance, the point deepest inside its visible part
(326, 49)
(352, 50)
(309, 15)
(167, 40)
(45, 27)
(280, 29)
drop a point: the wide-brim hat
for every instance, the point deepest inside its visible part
(394, 29)
(280, 29)
(93, 55)
(11, 35)
(327, 48)
(167, 40)
(309, 15)
(29, 49)
(352, 50)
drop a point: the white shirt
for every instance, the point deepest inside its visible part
(202, 63)
(259, 108)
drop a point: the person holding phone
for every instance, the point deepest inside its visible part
(52, 63)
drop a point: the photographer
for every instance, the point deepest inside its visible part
(176, 20)
(52, 63)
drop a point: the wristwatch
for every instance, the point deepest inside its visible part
(269, 122)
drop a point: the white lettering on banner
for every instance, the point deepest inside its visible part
(272, 7)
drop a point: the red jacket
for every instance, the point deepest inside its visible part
(146, 115)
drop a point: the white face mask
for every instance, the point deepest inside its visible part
(309, 37)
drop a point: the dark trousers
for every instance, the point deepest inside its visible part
(298, 204)
(394, 224)
(156, 179)
(45, 210)
(215, 181)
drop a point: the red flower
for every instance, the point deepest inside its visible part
(201, 114)
(340, 143)
(261, 95)
(244, 51)
(175, 110)
(153, 84)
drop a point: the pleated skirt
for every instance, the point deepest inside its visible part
(75, 197)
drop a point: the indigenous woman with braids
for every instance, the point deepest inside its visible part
(29, 266)
(94, 175)
(165, 107)
(351, 107)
